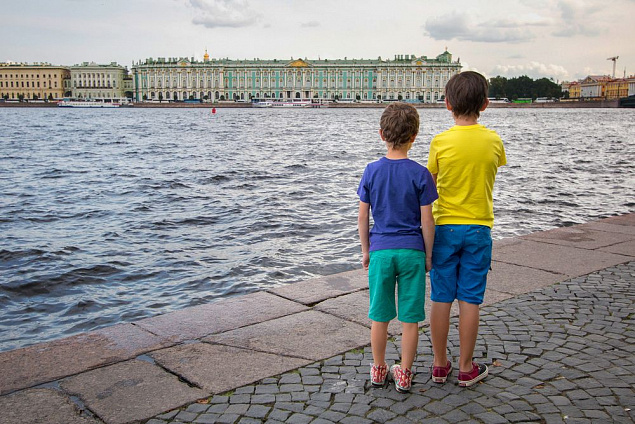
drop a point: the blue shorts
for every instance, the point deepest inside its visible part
(461, 259)
(404, 268)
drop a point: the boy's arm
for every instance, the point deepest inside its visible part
(427, 228)
(363, 229)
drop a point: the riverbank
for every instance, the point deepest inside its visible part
(239, 105)
(556, 333)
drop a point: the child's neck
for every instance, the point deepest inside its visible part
(463, 121)
(396, 154)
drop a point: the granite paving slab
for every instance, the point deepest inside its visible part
(310, 335)
(627, 248)
(354, 307)
(610, 226)
(130, 391)
(625, 219)
(570, 261)
(580, 236)
(22, 368)
(218, 368)
(199, 321)
(516, 279)
(41, 406)
(315, 290)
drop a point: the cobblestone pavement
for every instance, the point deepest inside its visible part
(564, 354)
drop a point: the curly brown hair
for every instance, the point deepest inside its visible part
(399, 123)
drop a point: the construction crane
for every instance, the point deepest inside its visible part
(614, 59)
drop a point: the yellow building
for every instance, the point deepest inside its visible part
(617, 89)
(39, 81)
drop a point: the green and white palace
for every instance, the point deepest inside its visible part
(406, 77)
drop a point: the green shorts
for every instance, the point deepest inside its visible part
(404, 268)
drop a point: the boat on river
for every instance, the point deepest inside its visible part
(98, 103)
(288, 103)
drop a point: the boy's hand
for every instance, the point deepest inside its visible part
(428, 263)
(365, 260)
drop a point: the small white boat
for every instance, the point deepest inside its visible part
(262, 104)
(291, 103)
(87, 103)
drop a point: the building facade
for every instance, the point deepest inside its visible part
(38, 81)
(406, 77)
(95, 81)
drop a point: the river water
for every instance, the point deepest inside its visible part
(110, 216)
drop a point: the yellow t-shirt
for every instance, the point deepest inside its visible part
(466, 160)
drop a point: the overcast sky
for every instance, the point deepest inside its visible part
(559, 39)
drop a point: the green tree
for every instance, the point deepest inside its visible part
(498, 87)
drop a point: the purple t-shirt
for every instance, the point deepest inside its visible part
(396, 190)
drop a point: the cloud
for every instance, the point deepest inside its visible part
(533, 70)
(223, 13)
(577, 19)
(459, 26)
(311, 24)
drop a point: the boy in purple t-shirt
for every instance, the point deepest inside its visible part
(397, 251)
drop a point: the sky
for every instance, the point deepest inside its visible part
(565, 40)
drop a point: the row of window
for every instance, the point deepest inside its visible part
(291, 84)
(21, 76)
(94, 75)
(94, 84)
(21, 84)
(16, 96)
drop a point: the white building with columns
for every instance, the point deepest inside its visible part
(95, 81)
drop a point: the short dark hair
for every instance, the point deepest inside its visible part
(399, 122)
(467, 92)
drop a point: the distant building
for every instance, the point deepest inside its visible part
(593, 87)
(38, 81)
(616, 89)
(94, 81)
(406, 77)
(631, 85)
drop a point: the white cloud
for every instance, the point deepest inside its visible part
(533, 70)
(459, 26)
(578, 19)
(224, 13)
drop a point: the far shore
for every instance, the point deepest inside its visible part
(225, 104)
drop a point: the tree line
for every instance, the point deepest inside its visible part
(523, 87)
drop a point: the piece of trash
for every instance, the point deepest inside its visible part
(539, 386)
(203, 401)
(496, 363)
(422, 390)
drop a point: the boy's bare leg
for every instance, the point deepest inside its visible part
(378, 341)
(439, 328)
(468, 331)
(409, 341)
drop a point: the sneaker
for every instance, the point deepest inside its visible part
(479, 372)
(402, 378)
(378, 374)
(440, 374)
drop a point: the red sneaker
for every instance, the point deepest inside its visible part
(402, 378)
(378, 374)
(479, 372)
(440, 374)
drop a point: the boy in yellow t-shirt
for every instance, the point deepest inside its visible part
(463, 161)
